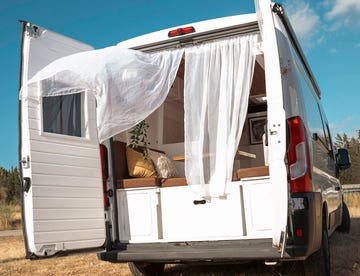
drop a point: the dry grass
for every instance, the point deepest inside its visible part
(345, 248)
(10, 217)
(12, 262)
(353, 201)
(345, 259)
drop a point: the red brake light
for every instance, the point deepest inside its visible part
(298, 157)
(181, 31)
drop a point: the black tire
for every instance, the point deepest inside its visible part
(346, 221)
(146, 269)
(319, 263)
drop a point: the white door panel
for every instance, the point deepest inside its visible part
(276, 120)
(259, 207)
(186, 217)
(139, 215)
(63, 207)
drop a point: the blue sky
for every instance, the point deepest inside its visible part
(329, 31)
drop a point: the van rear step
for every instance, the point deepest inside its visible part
(216, 251)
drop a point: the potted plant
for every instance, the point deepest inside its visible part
(138, 137)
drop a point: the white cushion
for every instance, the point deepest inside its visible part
(164, 166)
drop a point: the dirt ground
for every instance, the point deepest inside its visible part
(345, 259)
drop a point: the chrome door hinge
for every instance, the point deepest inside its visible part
(25, 162)
(32, 30)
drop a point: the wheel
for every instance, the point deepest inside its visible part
(346, 221)
(144, 269)
(319, 262)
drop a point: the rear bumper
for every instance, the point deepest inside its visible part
(308, 223)
(212, 251)
(308, 219)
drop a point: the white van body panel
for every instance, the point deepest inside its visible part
(301, 97)
(220, 25)
(64, 205)
(277, 214)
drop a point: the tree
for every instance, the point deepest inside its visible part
(14, 186)
(9, 186)
(352, 144)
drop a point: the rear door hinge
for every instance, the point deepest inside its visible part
(25, 162)
(32, 30)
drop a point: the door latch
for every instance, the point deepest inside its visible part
(26, 184)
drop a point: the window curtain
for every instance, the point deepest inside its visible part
(128, 85)
(218, 78)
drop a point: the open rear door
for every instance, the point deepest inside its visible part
(59, 156)
(276, 122)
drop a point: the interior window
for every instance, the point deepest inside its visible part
(62, 115)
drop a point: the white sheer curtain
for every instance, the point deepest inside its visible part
(217, 84)
(128, 85)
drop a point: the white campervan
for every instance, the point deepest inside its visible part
(201, 143)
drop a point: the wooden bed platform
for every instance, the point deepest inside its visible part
(124, 181)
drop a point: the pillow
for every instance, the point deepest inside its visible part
(165, 168)
(137, 165)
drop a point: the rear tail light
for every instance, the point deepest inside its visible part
(181, 31)
(298, 157)
(299, 232)
(104, 170)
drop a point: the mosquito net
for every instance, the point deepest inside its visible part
(217, 85)
(129, 85)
